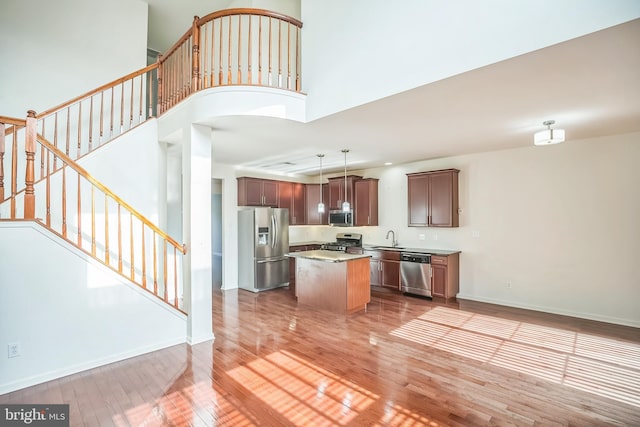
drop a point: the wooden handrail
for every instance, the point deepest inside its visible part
(12, 121)
(97, 90)
(249, 11)
(82, 172)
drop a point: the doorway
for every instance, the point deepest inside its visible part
(216, 233)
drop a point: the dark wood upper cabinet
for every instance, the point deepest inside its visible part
(257, 192)
(366, 202)
(336, 191)
(433, 198)
(312, 192)
(291, 195)
(302, 199)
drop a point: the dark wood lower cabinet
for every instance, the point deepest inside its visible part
(385, 269)
(445, 276)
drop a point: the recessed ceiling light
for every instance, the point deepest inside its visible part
(388, 163)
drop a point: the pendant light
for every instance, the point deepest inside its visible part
(548, 136)
(320, 204)
(346, 207)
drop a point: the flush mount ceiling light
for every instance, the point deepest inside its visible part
(346, 207)
(548, 136)
(320, 204)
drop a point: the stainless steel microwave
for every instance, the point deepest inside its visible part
(341, 218)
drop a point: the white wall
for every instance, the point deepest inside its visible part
(133, 166)
(559, 223)
(362, 50)
(68, 313)
(54, 51)
(287, 7)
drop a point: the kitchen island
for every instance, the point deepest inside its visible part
(332, 280)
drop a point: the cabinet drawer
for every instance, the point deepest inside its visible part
(390, 255)
(440, 260)
(298, 248)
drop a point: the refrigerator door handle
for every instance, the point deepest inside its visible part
(274, 235)
(265, 261)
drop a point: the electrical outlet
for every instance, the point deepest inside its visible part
(475, 233)
(420, 236)
(13, 349)
(508, 285)
(435, 237)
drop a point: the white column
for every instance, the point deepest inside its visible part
(196, 193)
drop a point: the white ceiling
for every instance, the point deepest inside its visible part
(589, 85)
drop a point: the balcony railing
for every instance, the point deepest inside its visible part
(231, 47)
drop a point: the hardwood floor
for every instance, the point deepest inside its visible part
(405, 361)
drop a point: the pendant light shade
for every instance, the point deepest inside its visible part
(346, 207)
(320, 204)
(548, 136)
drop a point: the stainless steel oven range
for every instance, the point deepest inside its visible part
(345, 242)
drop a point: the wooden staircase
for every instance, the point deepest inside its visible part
(41, 178)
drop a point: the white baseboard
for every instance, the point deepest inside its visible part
(200, 339)
(69, 370)
(588, 316)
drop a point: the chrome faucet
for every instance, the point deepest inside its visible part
(394, 242)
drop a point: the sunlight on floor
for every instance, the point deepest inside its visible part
(602, 366)
(306, 394)
(198, 404)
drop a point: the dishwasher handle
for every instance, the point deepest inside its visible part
(415, 257)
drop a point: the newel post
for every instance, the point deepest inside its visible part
(29, 178)
(195, 56)
(2, 132)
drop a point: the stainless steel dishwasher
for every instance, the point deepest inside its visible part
(415, 273)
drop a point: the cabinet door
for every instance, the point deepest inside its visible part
(312, 199)
(391, 274)
(253, 192)
(270, 193)
(298, 209)
(257, 192)
(375, 276)
(439, 280)
(285, 196)
(336, 190)
(443, 199)
(418, 200)
(366, 202)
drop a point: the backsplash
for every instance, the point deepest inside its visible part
(410, 237)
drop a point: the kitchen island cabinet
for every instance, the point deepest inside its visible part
(433, 198)
(333, 281)
(298, 247)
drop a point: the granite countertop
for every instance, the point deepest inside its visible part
(443, 252)
(327, 256)
(312, 242)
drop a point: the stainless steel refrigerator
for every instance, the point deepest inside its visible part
(263, 242)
